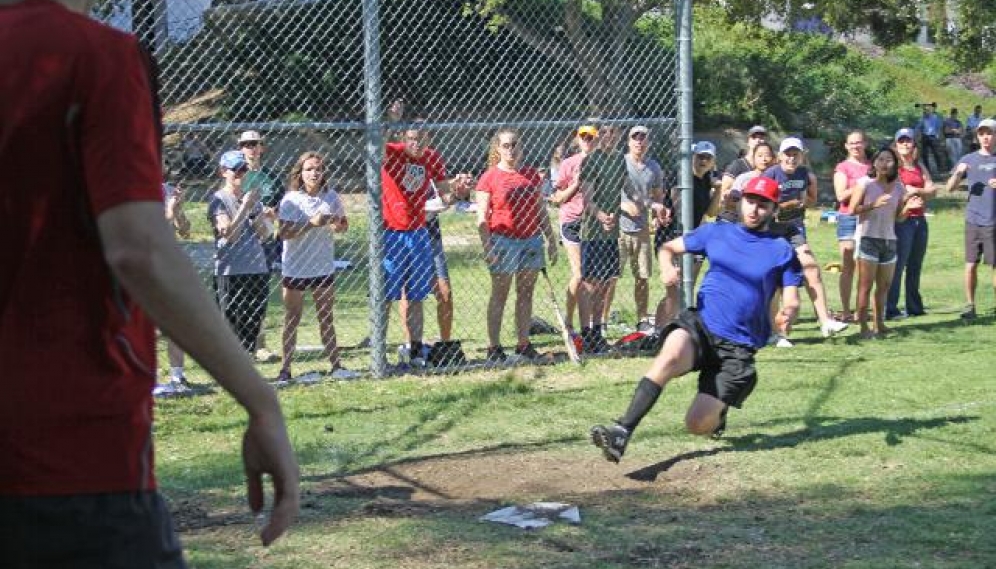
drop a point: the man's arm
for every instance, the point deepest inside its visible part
(670, 273)
(144, 257)
(953, 181)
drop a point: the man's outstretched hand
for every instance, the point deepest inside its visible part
(267, 450)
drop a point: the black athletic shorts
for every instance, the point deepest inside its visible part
(726, 370)
(88, 531)
(600, 259)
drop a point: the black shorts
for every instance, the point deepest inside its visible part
(88, 531)
(791, 232)
(570, 232)
(600, 259)
(664, 234)
(308, 283)
(726, 370)
(980, 244)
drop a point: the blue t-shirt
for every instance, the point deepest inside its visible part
(981, 208)
(745, 269)
(792, 187)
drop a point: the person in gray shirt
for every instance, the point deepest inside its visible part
(240, 268)
(642, 192)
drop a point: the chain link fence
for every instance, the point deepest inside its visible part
(290, 77)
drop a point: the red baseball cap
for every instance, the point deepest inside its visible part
(763, 187)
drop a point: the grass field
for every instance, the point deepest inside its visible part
(852, 454)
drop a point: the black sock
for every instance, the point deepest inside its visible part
(643, 401)
(415, 350)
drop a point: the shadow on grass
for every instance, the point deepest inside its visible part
(816, 429)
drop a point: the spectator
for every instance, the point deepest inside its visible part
(177, 219)
(644, 187)
(84, 280)
(603, 175)
(570, 199)
(846, 176)
(798, 191)
(972, 123)
(979, 171)
(930, 128)
(762, 157)
(953, 131)
(879, 200)
(410, 169)
(511, 217)
(310, 213)
(241, 274)
(271, 191)
(911, 233)
(705, 189)
(742, 164)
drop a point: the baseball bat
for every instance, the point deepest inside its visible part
(565, 334)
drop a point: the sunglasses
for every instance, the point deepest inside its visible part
(586, 137)
(905, 140)
(249, 144)
(638, 136)
(509, 145)
(239, 172)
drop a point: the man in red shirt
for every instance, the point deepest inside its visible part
(409, 171)
(89, 263)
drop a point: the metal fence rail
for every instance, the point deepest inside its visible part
(325, 76)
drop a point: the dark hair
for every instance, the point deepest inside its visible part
(893, 174)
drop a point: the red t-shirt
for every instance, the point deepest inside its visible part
(913, 178)
(513, 202)
(77, 138)
(407, 184)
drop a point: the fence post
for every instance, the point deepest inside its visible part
(374, 139)
(683, 21)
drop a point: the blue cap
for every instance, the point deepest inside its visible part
(233, 160)
(704, 147)
(904, 133)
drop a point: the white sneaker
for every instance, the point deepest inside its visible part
(343, 374)
(783, 342)
(831, 327)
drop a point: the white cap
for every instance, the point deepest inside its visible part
(639, 128)
(704, 147)
(250, 136)
(791, 142)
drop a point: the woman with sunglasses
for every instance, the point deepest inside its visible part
(570, 201)
(511, 216)
(311, 212)
(241, 272)
(912, 233)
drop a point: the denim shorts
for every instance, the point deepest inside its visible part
(877, 250)
(847, 225)
(515, 255)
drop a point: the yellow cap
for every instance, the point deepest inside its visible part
(589, 130)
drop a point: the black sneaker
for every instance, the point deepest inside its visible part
(644, 326)
(968, 313)
(593, 343)
(721, 427)
(496, 356)
(612, 440)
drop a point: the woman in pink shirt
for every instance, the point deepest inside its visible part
(845, 179)
(567, 196)
(879, 200)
